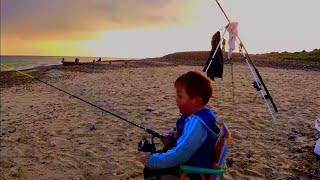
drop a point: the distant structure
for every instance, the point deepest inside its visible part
(76, 60)
(99, 60)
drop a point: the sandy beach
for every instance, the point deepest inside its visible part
(46, 134)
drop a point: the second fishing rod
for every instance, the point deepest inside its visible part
(247, 56)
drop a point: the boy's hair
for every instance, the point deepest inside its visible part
(196, 84)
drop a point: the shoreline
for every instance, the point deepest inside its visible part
(175, 60)
(11, 77)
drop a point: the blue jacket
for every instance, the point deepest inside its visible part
(194, 145)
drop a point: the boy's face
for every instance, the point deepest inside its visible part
(186, 104)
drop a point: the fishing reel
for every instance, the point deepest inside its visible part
(256, 85)
(168, 141)
(145, 146)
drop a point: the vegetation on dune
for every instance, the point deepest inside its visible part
(294, 60)
(313, 56)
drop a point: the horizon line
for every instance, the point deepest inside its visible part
(143, 57)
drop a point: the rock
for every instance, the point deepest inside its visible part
(112, 167)
(52, 144)
(50, 115)
(6, 164)
(229, 162)
(292, 137)
(293, 178)
(238, 135)
(249, 154)
(299, 150)
(12, 130)
(272, 174)
(93, 126)
(15, 171)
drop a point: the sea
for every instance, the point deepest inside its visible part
(29, 62)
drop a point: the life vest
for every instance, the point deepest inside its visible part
(204, 156)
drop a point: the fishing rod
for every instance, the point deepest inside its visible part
(150, 131)
(247, 58)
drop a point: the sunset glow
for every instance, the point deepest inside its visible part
(151, 28)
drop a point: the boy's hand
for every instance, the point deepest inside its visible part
(168, 140)
(144, 159)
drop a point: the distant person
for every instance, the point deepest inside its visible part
(76, 60)
(62, 60)
(99, 60)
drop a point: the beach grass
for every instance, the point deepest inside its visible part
(303, 56)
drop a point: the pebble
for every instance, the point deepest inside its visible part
(249, 154)
(12, 130)
(6, 164)
(15, 171)
(292, 137)
(50, 115)
(293, 178)
(229, 162)
(93, 126)
(272, 174)
(299, 150)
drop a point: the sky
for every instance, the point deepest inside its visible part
(152, 28)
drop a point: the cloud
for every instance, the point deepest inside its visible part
(74, 19)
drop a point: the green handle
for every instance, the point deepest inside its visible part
(197, 170)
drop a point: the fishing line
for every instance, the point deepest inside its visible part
(153, 133)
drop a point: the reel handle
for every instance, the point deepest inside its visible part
(145, 146)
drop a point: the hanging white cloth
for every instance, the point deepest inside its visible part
(233, 33)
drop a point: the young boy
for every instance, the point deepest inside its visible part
(196, 129)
